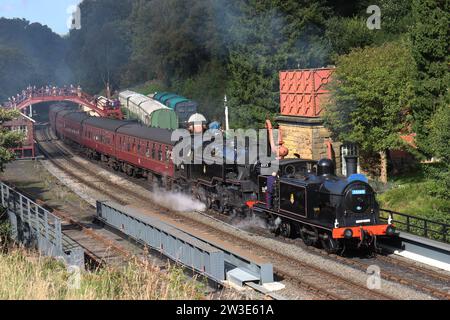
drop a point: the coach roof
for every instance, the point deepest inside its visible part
(147, 133)
(105, 123)
(76, 116)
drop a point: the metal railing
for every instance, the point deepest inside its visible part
(34, 226)
(210, 259)
(419, 226)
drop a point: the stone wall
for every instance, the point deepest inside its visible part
(308, 138)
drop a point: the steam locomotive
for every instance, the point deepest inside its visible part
(300, 198)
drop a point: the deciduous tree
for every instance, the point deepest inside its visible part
(371, 99)
(8, 139)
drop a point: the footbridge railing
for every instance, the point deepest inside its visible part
(32, 96)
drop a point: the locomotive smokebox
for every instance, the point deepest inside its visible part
(352, 165)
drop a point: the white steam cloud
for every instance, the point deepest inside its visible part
(176, 201)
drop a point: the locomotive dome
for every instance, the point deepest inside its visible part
(325, 167)
(197, 117)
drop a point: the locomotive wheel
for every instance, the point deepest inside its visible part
(220, 207)
(209, 203)
(130, 172)
(307, 238)
(285, 229)
(329, 244)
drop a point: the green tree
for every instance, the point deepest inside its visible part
(267, 37)
(430, 37)
(371, 99)
(99, 52)
(29, 54)
(8, 139)
(439, 144)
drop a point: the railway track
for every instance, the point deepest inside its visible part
(424, 279)
(318, 282)
(99, 249)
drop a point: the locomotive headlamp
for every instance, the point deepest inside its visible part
(390, 230)
(348, 233)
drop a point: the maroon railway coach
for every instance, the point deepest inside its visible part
(134, 148)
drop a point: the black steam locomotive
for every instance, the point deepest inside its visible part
(323, 208)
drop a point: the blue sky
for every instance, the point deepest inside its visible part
(52, 13)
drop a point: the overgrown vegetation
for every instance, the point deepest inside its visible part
(417, 194)
(5, 230)
(24, 275)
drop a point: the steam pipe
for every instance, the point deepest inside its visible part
(281, 151)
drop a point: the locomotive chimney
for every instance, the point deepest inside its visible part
(352, 165)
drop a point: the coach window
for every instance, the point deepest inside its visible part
(160, 153)
(154, 151)
(147, 151)
(167, 154)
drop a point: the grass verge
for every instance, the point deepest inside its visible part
(415, 194)
(25, 275)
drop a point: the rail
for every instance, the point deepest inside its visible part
(419, 226)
